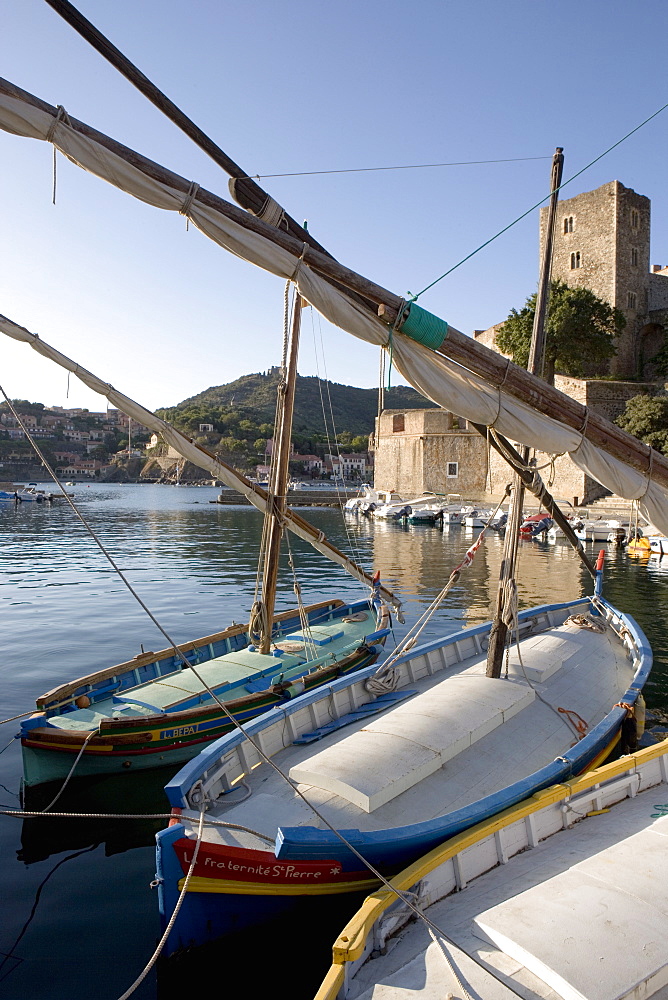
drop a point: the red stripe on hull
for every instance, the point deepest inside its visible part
(259, 867)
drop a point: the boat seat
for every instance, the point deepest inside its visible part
(320, 635)
(413, 740)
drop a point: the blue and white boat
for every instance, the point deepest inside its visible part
(379, 769)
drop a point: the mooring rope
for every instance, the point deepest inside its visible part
(414, 633)
(168, 929)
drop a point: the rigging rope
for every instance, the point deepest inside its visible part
(28, 814)
(168, 929)
(411, 637)
(505, 229)
(352, 541)
(408, 166)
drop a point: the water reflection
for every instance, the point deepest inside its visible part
(194, 563)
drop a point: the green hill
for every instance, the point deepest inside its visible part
(254, 397)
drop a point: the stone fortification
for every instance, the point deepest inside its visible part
(602, 242)
(420, 450)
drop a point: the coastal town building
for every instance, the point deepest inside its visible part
(601, 242)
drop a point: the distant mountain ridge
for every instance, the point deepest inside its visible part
(353, 409)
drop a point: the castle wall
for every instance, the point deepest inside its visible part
(415, 448)
(606, 234)
(658, 289)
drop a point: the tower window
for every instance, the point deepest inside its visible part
(576, 260)
(568, 224)
(634, 257)
(453, 470)
(631, 300)
(634, 219)
(398, 423)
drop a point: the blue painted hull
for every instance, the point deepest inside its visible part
(207, 915)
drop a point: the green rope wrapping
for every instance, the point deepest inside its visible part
(424, 327)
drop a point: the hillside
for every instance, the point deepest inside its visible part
(354, 409)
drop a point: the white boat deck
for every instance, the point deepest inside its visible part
(465, 735)
(582, 916)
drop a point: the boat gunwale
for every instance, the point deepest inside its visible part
(195, 771)
(122, 729)
(71, 688)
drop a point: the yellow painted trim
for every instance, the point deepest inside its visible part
(604, 754)
(349, 946)
(331, 984)
(201, 884)
(43, 745)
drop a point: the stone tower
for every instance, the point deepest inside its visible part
(601, 242)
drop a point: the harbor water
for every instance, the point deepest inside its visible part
(79, 916)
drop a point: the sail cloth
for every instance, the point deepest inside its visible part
(438, 378)
(193, 453)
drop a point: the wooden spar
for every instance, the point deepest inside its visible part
(535, 485)
(465, 351)
(504, 612)
(244, 189)
(536, 363)
(247, 191)
(278, 486)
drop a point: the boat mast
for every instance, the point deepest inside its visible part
(278, 485)
(502, 616)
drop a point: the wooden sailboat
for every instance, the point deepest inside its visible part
(450, 745)
(161, 708)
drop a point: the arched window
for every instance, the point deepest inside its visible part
(631, 300)
(634, 257)
(634, 219)
(568, 224)
(576, 260)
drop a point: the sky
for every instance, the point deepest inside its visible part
(303, 86)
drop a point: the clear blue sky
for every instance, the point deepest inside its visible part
(296, 86)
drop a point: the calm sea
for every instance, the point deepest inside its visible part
(79, 918)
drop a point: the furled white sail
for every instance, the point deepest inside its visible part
(435, 376)
(192, 452)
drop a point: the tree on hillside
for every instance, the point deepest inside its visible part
(646, 417)
(580, 330)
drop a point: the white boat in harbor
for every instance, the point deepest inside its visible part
(561, 896)
(449, 747)
(603, 530)
(612, 530)
(477, 518)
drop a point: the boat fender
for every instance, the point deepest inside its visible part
(640, 716)
(294, 690)
(629, 733)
